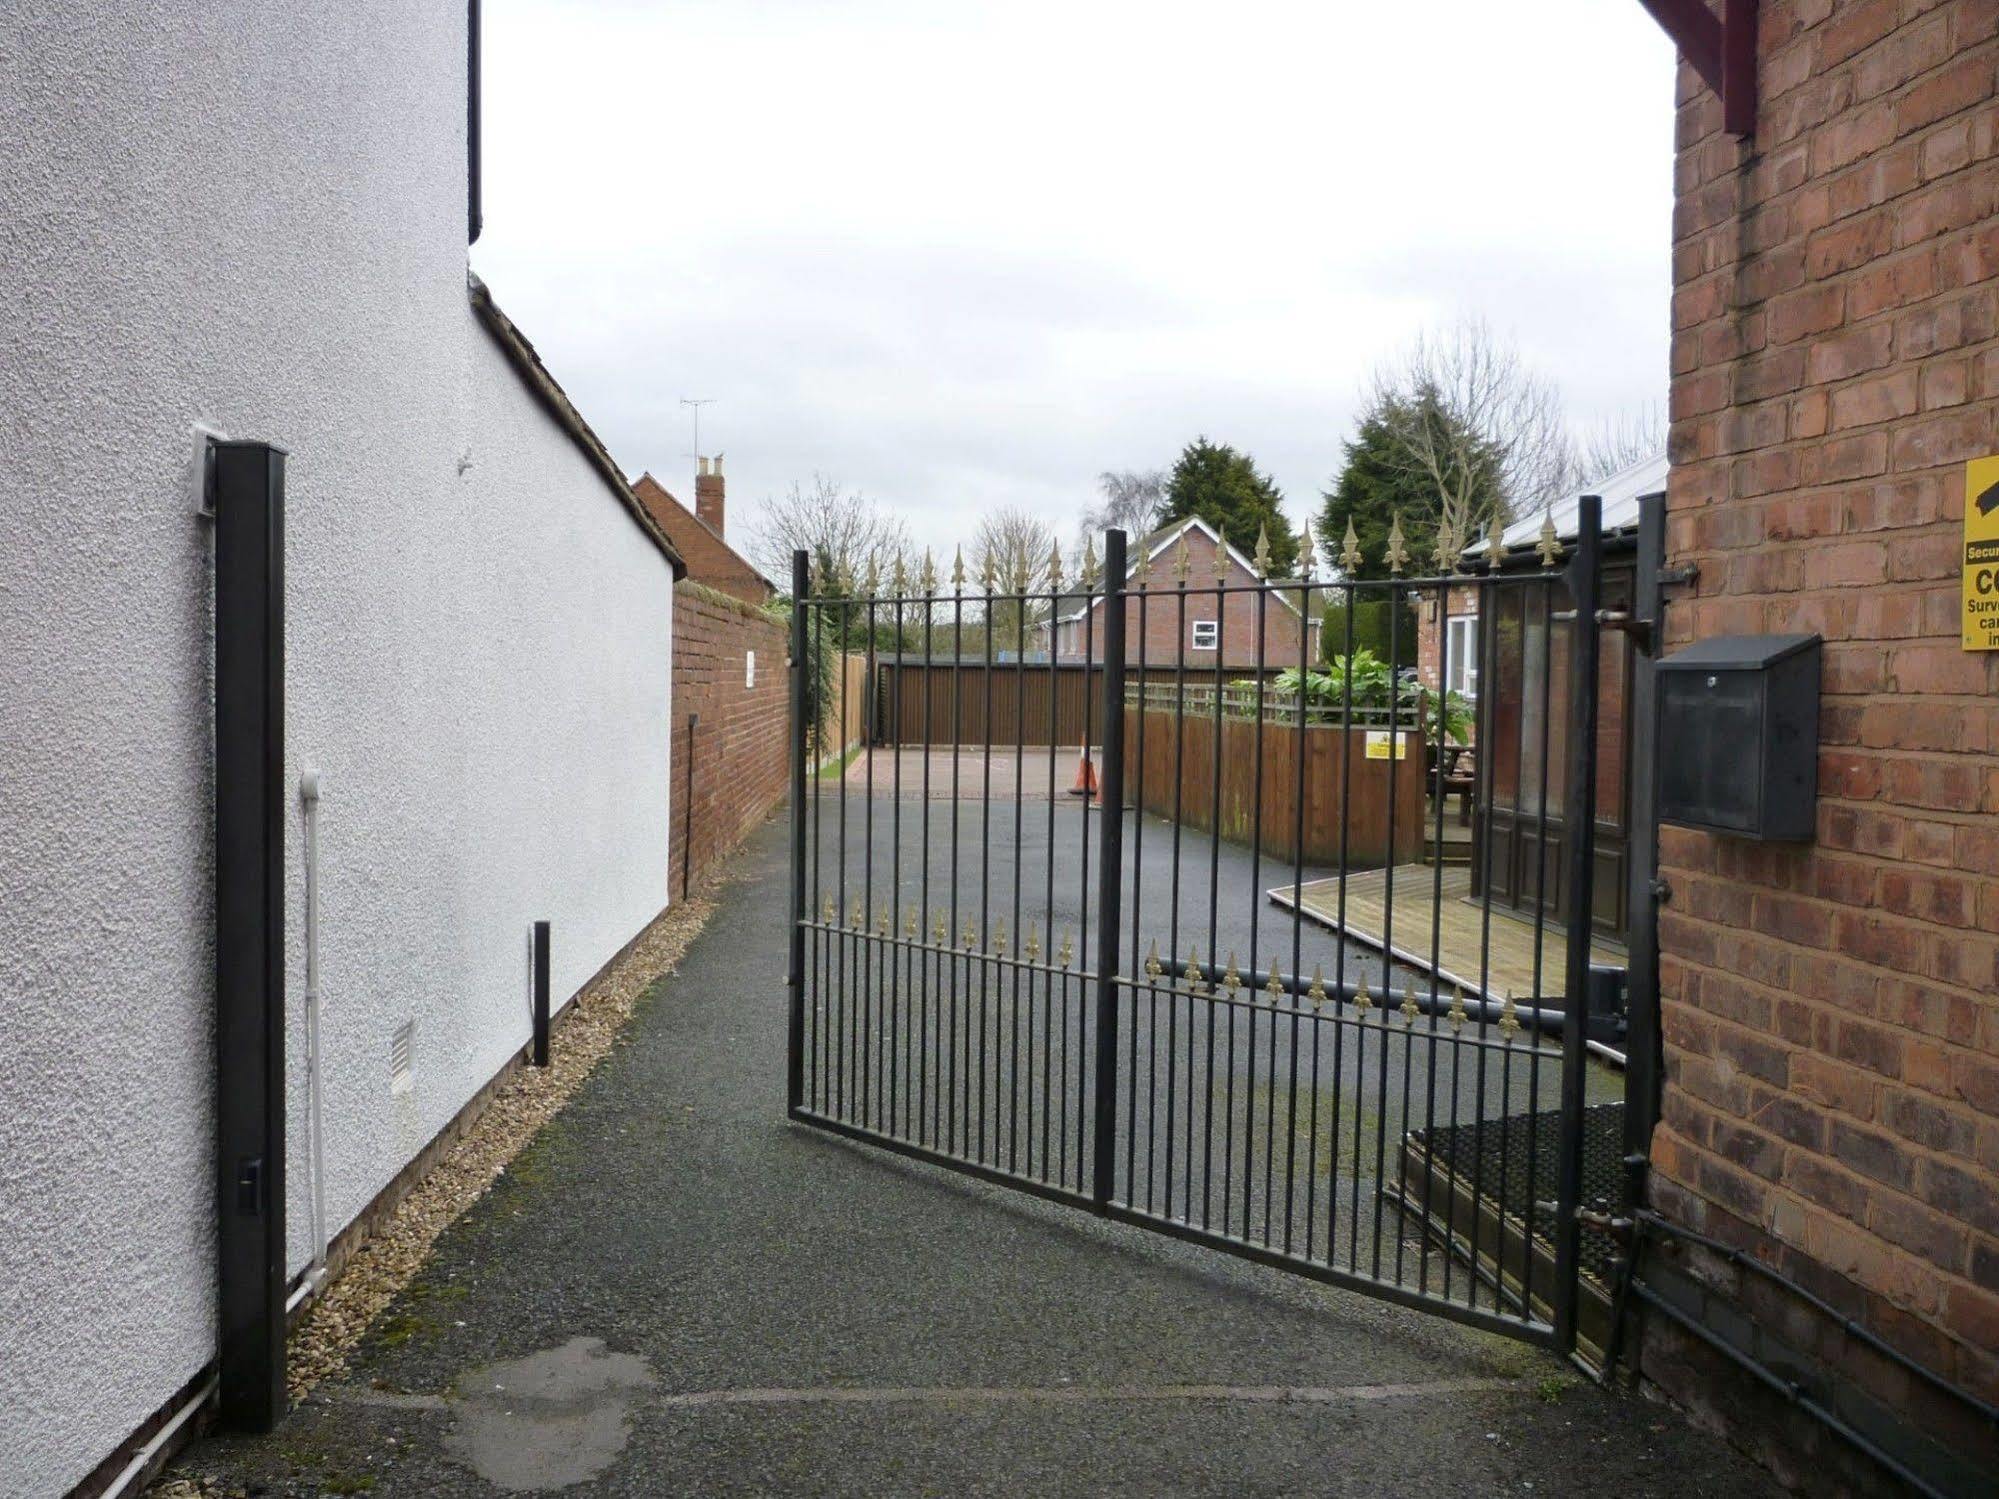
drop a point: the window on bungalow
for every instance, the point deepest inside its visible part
(1206, 635)
(1461, 644)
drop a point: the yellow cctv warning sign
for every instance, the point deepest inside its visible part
(1981, 554)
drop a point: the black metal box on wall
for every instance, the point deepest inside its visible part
(1739, 736)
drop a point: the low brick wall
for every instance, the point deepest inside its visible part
(740, 750)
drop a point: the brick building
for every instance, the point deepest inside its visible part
(1220, 630)
(1830, 1009)
(729, 662)
(699, 534)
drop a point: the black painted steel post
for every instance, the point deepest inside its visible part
(687, 817)
(248, 480)
(1110, 801)
(540, 1052)
(801, 588)
(1579, 854)
(1643, 1048)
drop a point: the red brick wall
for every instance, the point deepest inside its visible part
(1430, 631)
(1831, 1011)
(741, 751)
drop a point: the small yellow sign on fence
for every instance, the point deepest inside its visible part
(1981, 554)
(1382, 745)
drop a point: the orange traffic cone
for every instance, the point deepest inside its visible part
(1086, 776)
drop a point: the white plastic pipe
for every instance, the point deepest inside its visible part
(308, 789)
(145, 1455)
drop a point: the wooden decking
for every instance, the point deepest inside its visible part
(1506, 962)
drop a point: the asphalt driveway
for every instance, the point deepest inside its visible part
(675, 1291)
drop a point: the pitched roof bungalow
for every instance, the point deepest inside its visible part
(1204, 629)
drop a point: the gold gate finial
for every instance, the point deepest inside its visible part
(1223, 561)
(1032, 950)
(910, 925)
(1350, 558)
(1362, 1000)
(1089, 563)
(927, 580)
(970, 936)
(1275, 988)
(1409, 1007)
(1317, 993)
(857, 917)
(1055, 567)
(1231, 980)
(1549, 546)
(1068, 952)
(1142, 569)
(940, 933)
(898, 578)
(1495, 545)
(1261, 558)
(872, 579)
(1509, 1018)
(826, 912)
(1194, 975)
(1183, 559)
(1305, 557)
(958, 571)
(1397, 555)
(1153, 967)
(1447, 551)
(999, 938)
(1458, 1015)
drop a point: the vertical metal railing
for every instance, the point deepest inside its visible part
(1579, 829)
(1110, 874)
(803, 668)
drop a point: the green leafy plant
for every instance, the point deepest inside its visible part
(1374, 689)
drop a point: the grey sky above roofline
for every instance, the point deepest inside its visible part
(735, 200)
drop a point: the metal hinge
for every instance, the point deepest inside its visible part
(1638, 631)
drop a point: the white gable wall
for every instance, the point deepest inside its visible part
(253, 216)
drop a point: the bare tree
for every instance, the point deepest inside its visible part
(1617, 442)
(1018, 548)
(1482, 431)
(1130, 501)
(835, 524)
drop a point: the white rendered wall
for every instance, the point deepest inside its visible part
(253, 215)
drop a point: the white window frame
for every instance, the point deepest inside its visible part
(1461, 645)
(1210, 628)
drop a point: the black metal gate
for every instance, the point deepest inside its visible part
(1222, 970)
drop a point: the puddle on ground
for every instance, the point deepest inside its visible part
(549, 1420)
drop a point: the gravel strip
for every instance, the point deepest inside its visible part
(380, 1267)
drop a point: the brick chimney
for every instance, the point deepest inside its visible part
(708, 503)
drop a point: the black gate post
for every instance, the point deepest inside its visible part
(1110, 801)
(248, 480)
(801, 587)
(538, 1044)
(1579, 854)
(1642, 1048)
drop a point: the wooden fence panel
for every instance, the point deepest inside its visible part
(1183, 764)
(915, 701)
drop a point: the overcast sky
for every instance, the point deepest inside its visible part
(961, 255)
